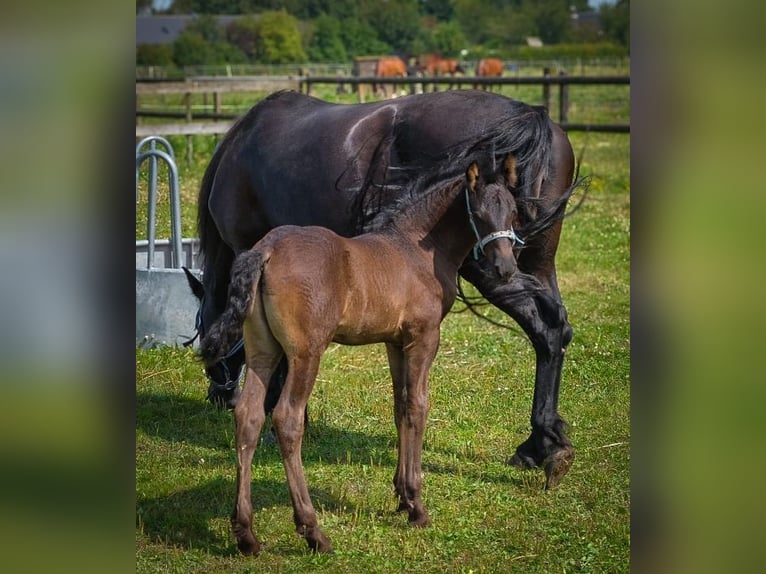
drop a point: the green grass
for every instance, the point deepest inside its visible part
(487, 516)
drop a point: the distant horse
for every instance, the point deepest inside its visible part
(359, 159)
(389, 67)
(300, 288)
(434, 65)
(489, 68)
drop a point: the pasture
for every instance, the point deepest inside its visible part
(487, 516)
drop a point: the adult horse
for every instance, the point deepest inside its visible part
(489, 68)
(355, 160)
(434, 65)
(300, 288)
(390, 67)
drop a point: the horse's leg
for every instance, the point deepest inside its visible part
(399, 377)
(288, 420)
(418, 356)
(263, 356)
(536, 306)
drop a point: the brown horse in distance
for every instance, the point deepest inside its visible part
(390, 67)
(434, 65)
(489, 68)
(301, 288)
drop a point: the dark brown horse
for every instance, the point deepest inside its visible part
(300, 288)
(489, 68)
(356, 160)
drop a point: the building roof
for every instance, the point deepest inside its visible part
(165, 29)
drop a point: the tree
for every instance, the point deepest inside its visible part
(616, 22)
(396, 22)
(243, 33)
(448, 39)
(326, 44)
(553, 20)
(143, 6)
(203, 42)
(154, 55)
(279, 39)
(361, 39)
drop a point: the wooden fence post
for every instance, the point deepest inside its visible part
(188, 104)
(546, 89)
(563, 100)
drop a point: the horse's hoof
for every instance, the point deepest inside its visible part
(321, 545)
(249, 546)
(557, 465)
(420, 519)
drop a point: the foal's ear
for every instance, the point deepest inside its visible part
(472, 176)
(509, 171)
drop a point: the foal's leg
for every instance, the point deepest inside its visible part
(263, 354)
(396, 365)
(288, 420)
(417, 357)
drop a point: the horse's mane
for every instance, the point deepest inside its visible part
(525, 132)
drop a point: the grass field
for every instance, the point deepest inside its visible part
(487, 516)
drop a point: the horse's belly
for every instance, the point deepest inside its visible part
(366, 332)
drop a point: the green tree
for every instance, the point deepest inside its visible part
(279, 39)
(203, 42)
(448, 39)
(553, 20)
(396, 22)
(326, 44)
(191, 49)
(442, 10)
(361, 39)
(154, 55)
(615, 21)
(243, 33)
(143, 6)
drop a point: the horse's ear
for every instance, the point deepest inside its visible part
(195, 284)
(509, 171)
(472, 176)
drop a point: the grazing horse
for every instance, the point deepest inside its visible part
(489, 68)
(434, 65)
(301, 288)
(390, 67)
(357, 159)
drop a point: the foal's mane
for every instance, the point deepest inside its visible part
(411, 204)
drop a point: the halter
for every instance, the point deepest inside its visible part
(231, 382)
(482, 241)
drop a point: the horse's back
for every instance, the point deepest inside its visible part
(294, 159)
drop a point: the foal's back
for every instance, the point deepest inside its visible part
(319, 287)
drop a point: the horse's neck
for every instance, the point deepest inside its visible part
(442, 226)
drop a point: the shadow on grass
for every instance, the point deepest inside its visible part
(199, 517)
(179, 419)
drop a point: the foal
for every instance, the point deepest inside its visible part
(300, 288)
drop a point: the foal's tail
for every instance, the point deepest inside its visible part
(227, 329)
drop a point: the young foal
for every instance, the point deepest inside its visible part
(301, 288)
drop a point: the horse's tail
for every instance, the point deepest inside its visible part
(227, 329)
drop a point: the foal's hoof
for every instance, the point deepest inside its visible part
(557, 465)
(249, 546)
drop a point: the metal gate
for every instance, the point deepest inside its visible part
(165, 306)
